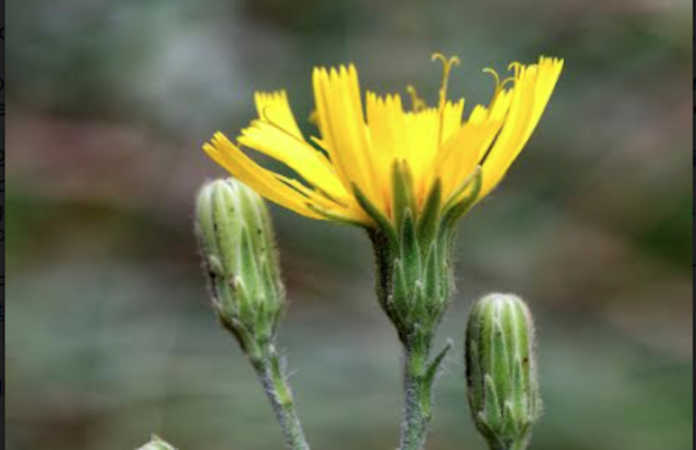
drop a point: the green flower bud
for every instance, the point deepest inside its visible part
(501, 371)
(156, 443)
(239, 257)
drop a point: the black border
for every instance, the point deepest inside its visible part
(693, 221)
(2, 225)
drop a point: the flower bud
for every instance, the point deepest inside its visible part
(501, 371)
(156, 443)
(236, 242)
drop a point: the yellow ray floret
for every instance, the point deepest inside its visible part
(357, 147)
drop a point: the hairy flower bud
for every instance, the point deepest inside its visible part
(238, 250)
(156, 443)
(501, 371)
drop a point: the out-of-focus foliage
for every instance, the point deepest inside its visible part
(110, 336)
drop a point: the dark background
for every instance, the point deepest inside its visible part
(109, 333)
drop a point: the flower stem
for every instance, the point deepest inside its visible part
(417, 410)
(271, 373)
(419, 376)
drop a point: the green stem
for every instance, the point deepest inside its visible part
(417, 410)
(419, 376)
(273, 378)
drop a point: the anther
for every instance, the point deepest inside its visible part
(447, 64)
(494, 74)
(516, 66)
(499, 85)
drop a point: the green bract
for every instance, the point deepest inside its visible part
(413, 253)
(501, 371)
(238, 251)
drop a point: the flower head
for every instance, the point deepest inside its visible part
(370, 161)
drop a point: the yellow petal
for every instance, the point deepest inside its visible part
(549, 71)
(387, 140)
(459, 156)
(452, 118)
(533, 87)
(297, 154)
(422, 137)
(274, 108)
(343, 129)
(263, 181)
(421, 133)
(326, 207)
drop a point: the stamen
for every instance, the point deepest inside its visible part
(516, 66)
(499, 85)
(446, 67)
(494, 74)
(417, 102)
(506, 81)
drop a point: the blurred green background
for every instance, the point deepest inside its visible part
(109, 333)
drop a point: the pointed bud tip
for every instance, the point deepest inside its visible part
(157, 443)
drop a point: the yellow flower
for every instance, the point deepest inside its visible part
(360, 151)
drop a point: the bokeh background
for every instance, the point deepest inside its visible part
(109, 333)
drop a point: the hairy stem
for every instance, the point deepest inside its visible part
(274, 380)
(419, 375)
(417, 410)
